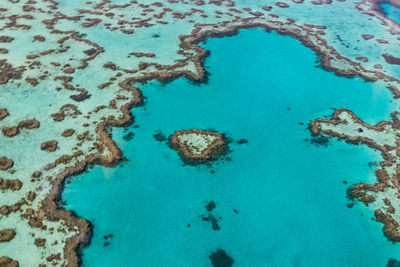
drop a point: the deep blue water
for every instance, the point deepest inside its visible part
(392, 12)
(288, 193)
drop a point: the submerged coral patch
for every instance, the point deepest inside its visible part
(49, 146)
(3, 113)
(10, 184)
(6, 235)
(24, 124)
(159, 136)
(68, 132)
(393, 263)
(391, 59)
(221, 259)
(5, 163)
(8, 262)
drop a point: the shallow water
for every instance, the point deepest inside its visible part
(288, 193)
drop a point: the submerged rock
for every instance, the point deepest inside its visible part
(318, 141)
(210, 206)
(393, 263)
(159, 136)
(129, 136)
(214, 222)
(221, 259)
(242, 141)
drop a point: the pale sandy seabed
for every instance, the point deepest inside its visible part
(70, 65)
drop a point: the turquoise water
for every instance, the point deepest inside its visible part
(288, 194)
(392, 12)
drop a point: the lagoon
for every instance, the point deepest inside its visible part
(280, 198)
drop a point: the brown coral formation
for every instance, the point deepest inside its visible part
(212, 151)
(5, 163)
(31, 196)
(141, 54)
(40, 242)
(4, 210)
(24, 124)
(3, 113)
(10, 184)
(281, 4)
(355, 131)
(67, 110)
(39, 38)
(32, 81)
(49, 146)
(391, 59)
(390, 226)
(6, 235)
(81, 96)
(367, 36)
(91, 22)
(49, 204)
(36, 174)
(6, 39)
(69, 70)
(8, 262)
(10, 131)
(29, 124)
(68, 132)
(8, 72)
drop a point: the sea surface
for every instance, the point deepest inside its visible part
(280, 198)
(392, 12)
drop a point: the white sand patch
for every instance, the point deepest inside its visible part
(196, 142)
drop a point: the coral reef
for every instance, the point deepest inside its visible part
(3, 113)
(60, 54)
(196, 146)
(385, 194)
(8, 262)
(49, 146)
(6, 235)
(5, 163)
(10, 184)
(24, 124)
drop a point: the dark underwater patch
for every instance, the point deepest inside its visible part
(242, 141)
(393, 263)
(321, 141)
(214, 222)
(129, 136)
(159, 136)
(221, 259)
(210, 206)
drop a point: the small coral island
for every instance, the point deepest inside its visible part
(196, 146)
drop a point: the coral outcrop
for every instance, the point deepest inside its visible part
(198, 146)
